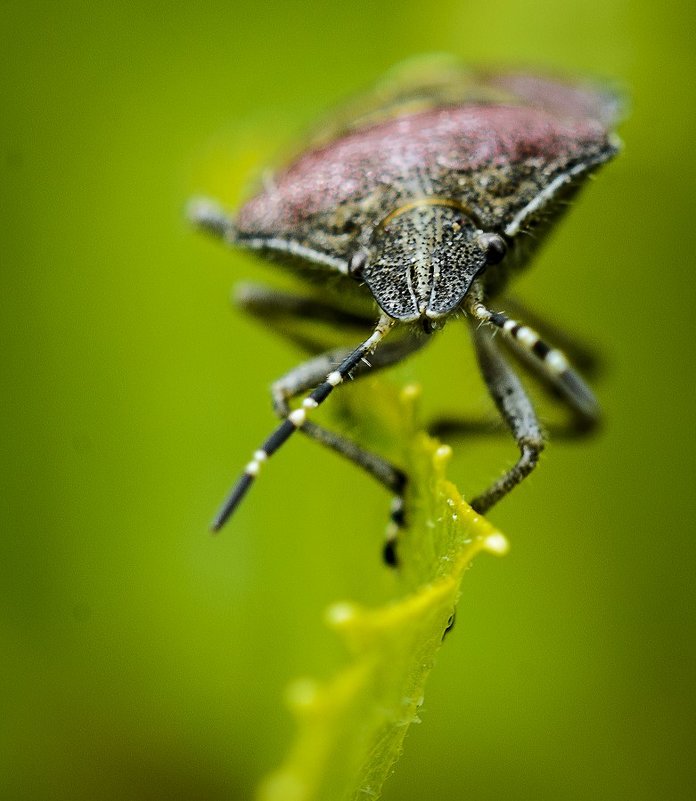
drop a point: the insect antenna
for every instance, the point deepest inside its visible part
(552, 361)
(296, 419)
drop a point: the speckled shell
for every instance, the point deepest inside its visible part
(493, 158)
(503, 149)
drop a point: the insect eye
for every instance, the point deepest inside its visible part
(358, 262)
(494, 246)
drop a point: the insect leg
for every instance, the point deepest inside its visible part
(464, 428)
(209, 216)
(265, 303)
(285, 313)
(550, 363)
(516, 408)
(582, 355)
(584, 418)
(570, 389)
(307, 375)
(297, 418)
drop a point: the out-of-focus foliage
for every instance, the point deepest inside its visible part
(143, 659)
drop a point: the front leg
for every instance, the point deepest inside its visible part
(517, 411)
(298, 418)
(306, 375)
(285, 313)
(546, 364)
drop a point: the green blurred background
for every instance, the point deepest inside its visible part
(142, 659)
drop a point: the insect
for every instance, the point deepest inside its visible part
(414, 207)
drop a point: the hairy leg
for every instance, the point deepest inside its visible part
(307, 375)
(297, 418)
(548, 363)
(284, 311)
(583, 356)
(517, 411)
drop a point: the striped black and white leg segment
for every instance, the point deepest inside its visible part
(517, 410)
(307, 375)
(582, 355)
(550, 361)
(297, 419)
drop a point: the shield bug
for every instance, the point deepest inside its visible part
(415, 206)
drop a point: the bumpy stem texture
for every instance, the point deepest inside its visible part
(351, 729)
